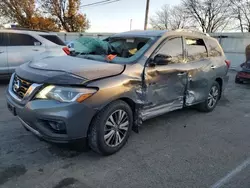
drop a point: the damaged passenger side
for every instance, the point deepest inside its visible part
(165, 78)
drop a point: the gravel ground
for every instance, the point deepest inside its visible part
(181, 149)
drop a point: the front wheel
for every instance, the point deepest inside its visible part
(212, 99)
(110, 129)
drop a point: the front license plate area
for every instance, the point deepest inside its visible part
(12, 109)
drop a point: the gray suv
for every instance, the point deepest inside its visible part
(98, 98)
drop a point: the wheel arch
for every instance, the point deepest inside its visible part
(130, 102)
(132, 105)
(136, 109)
(220, 82)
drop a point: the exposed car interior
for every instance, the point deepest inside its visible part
(127, 47)
(98, 49)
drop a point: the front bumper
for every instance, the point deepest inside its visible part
(243, 76)
(34, 114)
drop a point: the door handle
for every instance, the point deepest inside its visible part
(35, 50)
(213, 67)
(152, 83)
(1, 52)
(181, 74)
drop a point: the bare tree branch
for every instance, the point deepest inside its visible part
(170, 18)
(211, 15)
(241, 10)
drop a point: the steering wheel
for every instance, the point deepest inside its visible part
(114, 51)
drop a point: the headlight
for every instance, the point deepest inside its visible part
(65, 94)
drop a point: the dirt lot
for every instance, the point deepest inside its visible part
(181, 149)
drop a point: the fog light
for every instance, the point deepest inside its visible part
(57, 126)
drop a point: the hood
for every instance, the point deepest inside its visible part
(88, 69)
(246, 67)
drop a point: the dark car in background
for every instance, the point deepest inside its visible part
(109, 90)
(243, 75)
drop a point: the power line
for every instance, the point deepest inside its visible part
(104, 2)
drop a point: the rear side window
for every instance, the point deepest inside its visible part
(3, 39)
(55, 39)
(214, 49)
(16, 39)
(196, 49)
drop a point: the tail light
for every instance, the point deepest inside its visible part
(66, 50)
(228, 63)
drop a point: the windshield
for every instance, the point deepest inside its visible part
(118, 50)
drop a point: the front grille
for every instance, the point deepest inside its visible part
(20, 86)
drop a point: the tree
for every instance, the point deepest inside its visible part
(24, 13)
(241, 10)
(211, 15)
(42, 23)
(1, 22)
(66, 13)
(170, 18)
(59, 14)
(18, 11)
(178, 18)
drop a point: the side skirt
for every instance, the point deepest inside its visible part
(162, 109)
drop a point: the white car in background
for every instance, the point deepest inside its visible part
(21, 46)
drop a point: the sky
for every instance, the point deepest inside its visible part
(115, 17)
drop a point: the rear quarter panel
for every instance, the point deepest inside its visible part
(221, 70)
(202, 75)
(220, 63)
(18, 55)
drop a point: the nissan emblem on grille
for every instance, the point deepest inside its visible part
(20, 86)
(16, 85)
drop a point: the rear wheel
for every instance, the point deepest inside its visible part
(212, 99)
(110, 129)
(238, 81)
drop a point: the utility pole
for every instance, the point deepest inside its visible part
(131, 21)
(146, 15)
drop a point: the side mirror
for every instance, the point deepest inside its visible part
(37, 44)
(162, 59)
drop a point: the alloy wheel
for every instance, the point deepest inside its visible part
(213, 97)
(116, 128)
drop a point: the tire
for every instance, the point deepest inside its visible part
(237, 81)
(207, 106)
(102, 127)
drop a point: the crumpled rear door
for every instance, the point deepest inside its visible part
(200, 71)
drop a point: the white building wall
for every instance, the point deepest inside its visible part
(72, 36)
(234, 45)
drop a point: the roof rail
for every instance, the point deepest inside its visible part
(27, 29)
(192, 31)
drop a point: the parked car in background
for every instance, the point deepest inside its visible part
(243, 74)
(99, 97)
(21, 46)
